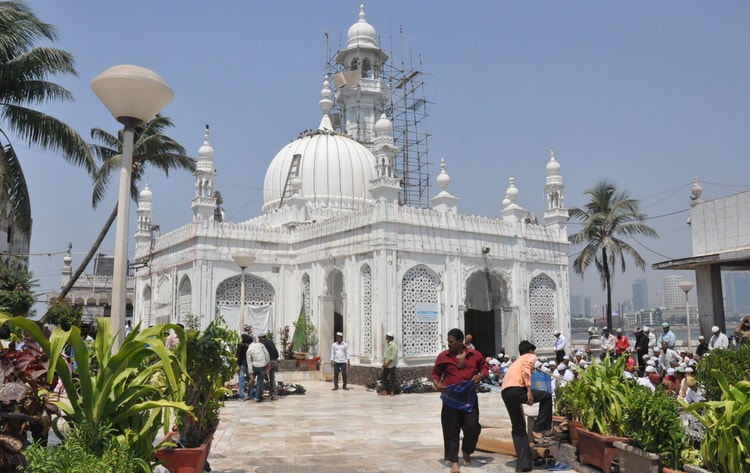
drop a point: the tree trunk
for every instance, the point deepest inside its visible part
(608, 284)
(90, 255)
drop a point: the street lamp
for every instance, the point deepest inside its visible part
(687, 286)
(243, 259)
(133, 95)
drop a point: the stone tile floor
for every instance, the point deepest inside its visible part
(345, 432)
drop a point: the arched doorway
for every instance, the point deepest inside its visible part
(483, 317)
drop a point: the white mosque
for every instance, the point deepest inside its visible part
(335, 239)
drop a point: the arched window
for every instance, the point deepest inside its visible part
(419, 285)
(542, 310)
(184, 299)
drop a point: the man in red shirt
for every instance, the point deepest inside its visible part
(456, 373)
(516, 392)
(622, 342)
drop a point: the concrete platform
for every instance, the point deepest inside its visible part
(345, 432)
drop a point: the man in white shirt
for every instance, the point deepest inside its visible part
(259, 361)
(559, 346)
(718, 340)
(339, 361)
(608, 343)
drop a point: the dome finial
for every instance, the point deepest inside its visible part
(206, 135)
(362, 12)
(443, 178)
(325, 105)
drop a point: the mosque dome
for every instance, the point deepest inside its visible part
(362, 34)
(334, 172)
(553, 167)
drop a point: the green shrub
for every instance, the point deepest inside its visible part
(735, 364)
(652, 421)
(111, 454)
(61, 313)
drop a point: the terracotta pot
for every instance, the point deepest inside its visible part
(573, 427)
(597, 450)
(666, 469)
(185, 460)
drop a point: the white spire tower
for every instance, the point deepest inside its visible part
(556, 213)
(360, 89)
(145, 213)
(204, 202)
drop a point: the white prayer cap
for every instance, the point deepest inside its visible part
(561, 367)
(651, 363)
(650, 369)
(670, 371)
(715, 329)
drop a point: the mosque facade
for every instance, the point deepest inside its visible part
(335, 240)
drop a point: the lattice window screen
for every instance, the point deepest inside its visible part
(146, 314)
(306, 296)
(542, 307)
(257, 291)
(420, 338)
(366, 309)
(184, 299)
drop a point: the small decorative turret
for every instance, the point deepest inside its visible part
(695, 193)
(512, 211)
(444, 201)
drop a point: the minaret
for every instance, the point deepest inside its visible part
(67, 268)
(204, 202)
(387, 185)
(360, 89)
(556, 213)
(145, 213)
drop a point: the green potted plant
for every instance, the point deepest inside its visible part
(74, 453)
(210, 365)
(726, 438)
(134, 389)
(657, 436)
(597, 397)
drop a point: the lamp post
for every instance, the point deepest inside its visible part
(243, 259)
(687, 286)
(133, 95)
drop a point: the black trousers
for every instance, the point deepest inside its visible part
(339, 368)
(559, 355)
(454, 421)
(388, 379)
(514, 399)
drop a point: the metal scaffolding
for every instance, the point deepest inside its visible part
(407, 110)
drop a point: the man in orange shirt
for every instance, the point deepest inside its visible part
(516, 392)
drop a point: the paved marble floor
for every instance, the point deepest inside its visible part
(345, 431)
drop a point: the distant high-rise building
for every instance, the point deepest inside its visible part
(640, 294)
(576, 305)
(673, 295)
(587, 306)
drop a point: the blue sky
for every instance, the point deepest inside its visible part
(646, 94)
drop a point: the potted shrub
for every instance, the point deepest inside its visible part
(210, 365)
(724, 446)
(74, 453)
(657, 436)
(288, 362)
(600, 393)
(134, 389)
(305, 337)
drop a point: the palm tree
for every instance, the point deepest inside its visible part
(24, 72)
(609, 216)
(150, 147)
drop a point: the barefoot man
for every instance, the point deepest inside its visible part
(456, 373)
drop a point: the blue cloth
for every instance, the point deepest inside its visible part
(461, 396)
